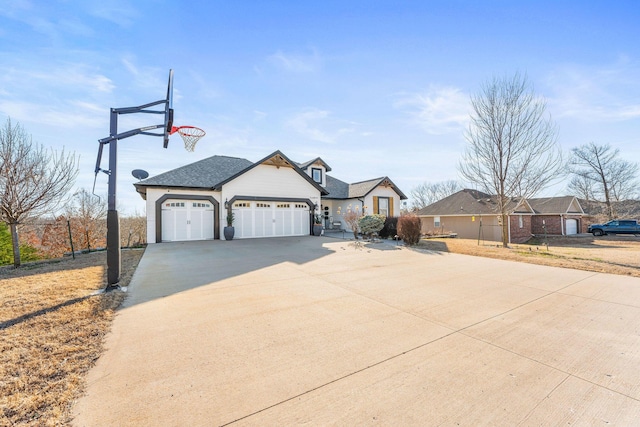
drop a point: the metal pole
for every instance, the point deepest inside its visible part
(113, 222)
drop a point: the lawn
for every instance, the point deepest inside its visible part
(607, 254)
(52, 329)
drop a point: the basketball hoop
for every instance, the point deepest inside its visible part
(190, 135)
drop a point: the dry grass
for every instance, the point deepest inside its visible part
(608, 254)
(52, 327)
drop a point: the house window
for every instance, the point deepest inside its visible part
(316, 174)
(436, 221)
(383, 206)
(520, 221)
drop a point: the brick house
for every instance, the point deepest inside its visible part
(473, 214)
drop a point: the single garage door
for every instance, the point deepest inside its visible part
(269, 219)
(572, 226)
(187, 220)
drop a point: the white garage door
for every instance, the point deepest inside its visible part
(572, 226)
(187, 220)
(268, 219)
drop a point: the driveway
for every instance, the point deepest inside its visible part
(316, 331)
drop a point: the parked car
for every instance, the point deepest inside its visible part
(617, 226)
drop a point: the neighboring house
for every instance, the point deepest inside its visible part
(271, 197)
(472, 214)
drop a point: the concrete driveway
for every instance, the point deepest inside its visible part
(315, 331)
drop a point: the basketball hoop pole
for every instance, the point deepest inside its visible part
(113, 221)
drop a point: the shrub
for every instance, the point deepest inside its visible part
(390, 228)
(27, 252)
(351, 218)
(409, 227)
(371, 224)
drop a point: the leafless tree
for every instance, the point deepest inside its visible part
(512, 149)
(135, 230)
(582, 187)
(90, 213)
(430, 192)
(33, 181)
(612, 178)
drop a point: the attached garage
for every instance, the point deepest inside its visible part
(187, 220)
(269, 218)
(271, 197)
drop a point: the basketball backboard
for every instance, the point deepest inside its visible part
(168, 111)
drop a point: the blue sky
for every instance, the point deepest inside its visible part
(373, 87)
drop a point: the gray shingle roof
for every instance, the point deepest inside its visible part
(337, 189)
(474, 202)
(555, 205)
(206, 173)
(464, 202)
(215, 171)
(341, 190)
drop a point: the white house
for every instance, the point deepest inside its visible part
(271, 197)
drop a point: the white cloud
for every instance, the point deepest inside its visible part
(438, 111)
(318, 125)
(596, 94)
(296, 63)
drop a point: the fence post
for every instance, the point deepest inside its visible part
(73, 253)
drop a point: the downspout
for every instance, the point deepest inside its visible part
(509, 227)
(362, 203)
(561, 225)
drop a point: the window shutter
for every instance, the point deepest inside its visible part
(375, 204)
(390, 206)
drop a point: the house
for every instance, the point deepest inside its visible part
(274, 196)
(472, 214)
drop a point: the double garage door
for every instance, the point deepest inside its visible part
(187, 220)
(269, 219)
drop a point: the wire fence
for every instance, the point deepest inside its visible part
(55, 237)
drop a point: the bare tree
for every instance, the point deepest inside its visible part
(582, 187)
(33, 180)
(135, 230)
(90, 213)
(512, 149)
(612, 178)
(430, 192)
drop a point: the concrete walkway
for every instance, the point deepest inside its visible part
(316, 331)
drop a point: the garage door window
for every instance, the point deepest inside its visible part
(175, 205)
(241, 205)
(283, 206)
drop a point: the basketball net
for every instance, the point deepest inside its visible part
(190, 135)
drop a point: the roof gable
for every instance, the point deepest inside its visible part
(317, 160)
(556, 205)
(277, 159)
(213, 172)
